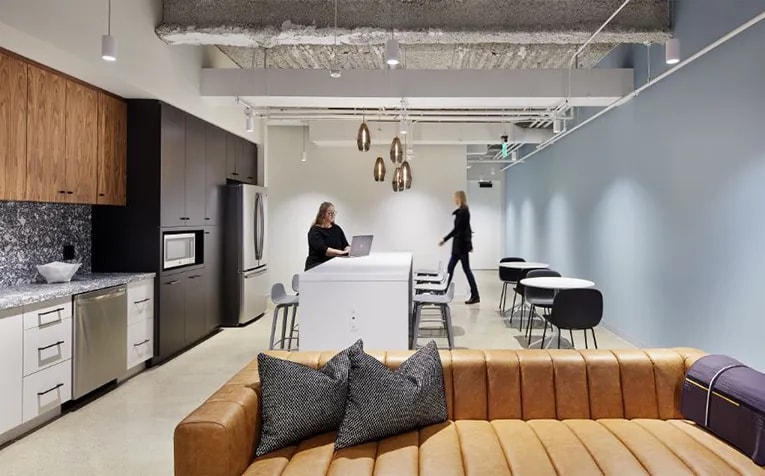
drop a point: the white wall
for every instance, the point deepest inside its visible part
(66, 35)
(414, 220)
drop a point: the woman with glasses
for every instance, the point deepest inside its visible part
(325, 239)
(462, 244)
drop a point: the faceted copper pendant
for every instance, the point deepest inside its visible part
(406, 172)
(363, 139)
(396, 151)
(379, 170)
(398, 180)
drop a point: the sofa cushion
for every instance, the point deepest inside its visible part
(536, 448)
(298, 401)
(382, 402)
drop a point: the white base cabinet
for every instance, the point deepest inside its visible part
(36, 355)
(140, 334)
(11, 364)
(47, 389)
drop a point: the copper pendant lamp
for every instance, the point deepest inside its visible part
(363, 139)
(379, 170)
(406, 173)
(396, 151)
(398, 180)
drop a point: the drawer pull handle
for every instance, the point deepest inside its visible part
(170, 283)
(40, 349)
(40, 394)
(141, 343)
(142, 301)
(59, 309)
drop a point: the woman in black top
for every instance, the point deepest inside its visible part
(325, 239)
(462, 244)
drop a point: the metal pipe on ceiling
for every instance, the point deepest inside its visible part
(424, 119)
(725, 38)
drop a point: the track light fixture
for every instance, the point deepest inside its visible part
(557, 126)
(249, 121)
(672, 51)
(304, 157)
(108, 42)
(392, 52)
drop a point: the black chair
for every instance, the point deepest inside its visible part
(538, 297)
(576, 309)
(508, 276)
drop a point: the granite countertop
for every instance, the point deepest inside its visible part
(15, 296)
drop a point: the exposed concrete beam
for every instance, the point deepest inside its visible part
(421, 88)
(343, 133)
(299, 22)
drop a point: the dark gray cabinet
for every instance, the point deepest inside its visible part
(214, 278)
(241, 159)
(196, 171)
(233, 150)
(247, 162)
(172, 167)
(215, 174)
(171, 325)
(196, 305)
(177, 169)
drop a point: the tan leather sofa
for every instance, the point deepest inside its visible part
(526, 412)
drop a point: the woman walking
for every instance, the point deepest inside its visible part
(462, 244)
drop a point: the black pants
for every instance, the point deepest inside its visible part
(465, 259)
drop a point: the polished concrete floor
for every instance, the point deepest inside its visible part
(129, 431)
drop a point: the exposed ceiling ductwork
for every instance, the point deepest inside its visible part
(434, 34)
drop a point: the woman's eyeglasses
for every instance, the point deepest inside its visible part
(332, 214)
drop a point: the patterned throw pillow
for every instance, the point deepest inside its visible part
(298, 402)
(382, 402)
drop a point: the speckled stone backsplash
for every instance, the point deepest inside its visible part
(35, 233)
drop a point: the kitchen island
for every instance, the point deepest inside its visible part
(346, 299)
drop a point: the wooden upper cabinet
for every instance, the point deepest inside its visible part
(112, 150)
(81, 125)
(46, 168)
(13, 128)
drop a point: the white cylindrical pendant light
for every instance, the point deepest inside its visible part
(557, 126)
(392, 52)
(672, 51)
(108, 42)
(108, 48)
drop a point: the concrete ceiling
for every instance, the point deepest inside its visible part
(434, 34)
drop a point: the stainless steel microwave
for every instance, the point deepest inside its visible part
(179, 249)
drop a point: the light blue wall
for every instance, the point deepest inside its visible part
(662, 201)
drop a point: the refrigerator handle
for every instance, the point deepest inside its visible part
(261, 226)
(256, 222)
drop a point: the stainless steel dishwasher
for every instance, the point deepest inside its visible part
(100, 339)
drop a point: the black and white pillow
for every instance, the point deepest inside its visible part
(298, 402)
(382, 402)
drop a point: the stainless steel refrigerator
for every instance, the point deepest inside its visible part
(246, 287)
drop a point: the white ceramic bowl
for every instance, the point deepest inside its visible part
(58, 272)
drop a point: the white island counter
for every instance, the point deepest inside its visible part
(346, 299)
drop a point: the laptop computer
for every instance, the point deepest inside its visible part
(361, 245)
